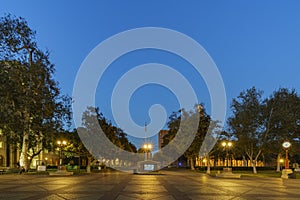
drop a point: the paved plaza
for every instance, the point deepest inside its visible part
(178, 185)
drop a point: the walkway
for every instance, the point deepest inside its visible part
(178, 185)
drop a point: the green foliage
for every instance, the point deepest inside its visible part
(74, 144)
(247, 122)
(260, 126)
(185, 121)
(283, 107)
(31, 106)
(116, 135)
(16, 39)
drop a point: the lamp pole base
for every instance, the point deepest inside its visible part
(285, 173)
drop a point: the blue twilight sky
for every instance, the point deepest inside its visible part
(253, 43)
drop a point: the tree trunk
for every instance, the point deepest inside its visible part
(88, 168)
(253, 163)
(192, 164)
(245, 161)
(208, 165)
(23, 156)
(278, 163)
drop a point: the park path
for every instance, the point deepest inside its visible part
(170, 185)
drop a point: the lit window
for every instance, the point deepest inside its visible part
(1, 145)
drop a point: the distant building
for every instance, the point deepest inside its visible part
(161, 135)
(10, 155)
(8, 152)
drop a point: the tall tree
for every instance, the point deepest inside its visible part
(283, 107)
(74, 147)
(32, 108)
(262, 125)
(247, 123)
(197, 117)
(93, 119)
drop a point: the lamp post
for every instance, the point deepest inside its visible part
(286, 145)
(286, 171)
(147, 148)
(60, 144)
(227, 145)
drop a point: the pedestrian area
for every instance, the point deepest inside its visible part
(178, 185)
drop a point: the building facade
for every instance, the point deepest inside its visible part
(202, 161)
(8, 152)
(10, 155)
(161, 136)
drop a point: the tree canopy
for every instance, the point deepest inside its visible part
(32, 107)
(198, 118)
(260, 125)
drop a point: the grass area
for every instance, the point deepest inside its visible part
(75, 171)
(260, 174)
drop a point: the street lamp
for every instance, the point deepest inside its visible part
(286, 145)
(147, 147)
(227, 145)
(285, 172)
(60, 144)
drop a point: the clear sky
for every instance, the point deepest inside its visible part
(253, 43)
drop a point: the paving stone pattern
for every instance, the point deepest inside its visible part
(173, 185)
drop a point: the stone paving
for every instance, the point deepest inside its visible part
(173, 185)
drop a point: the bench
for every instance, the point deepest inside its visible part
(3, 171)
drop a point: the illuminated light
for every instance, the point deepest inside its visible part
(147, 146)
(286, 144)
(61, 142)
(228, 144)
